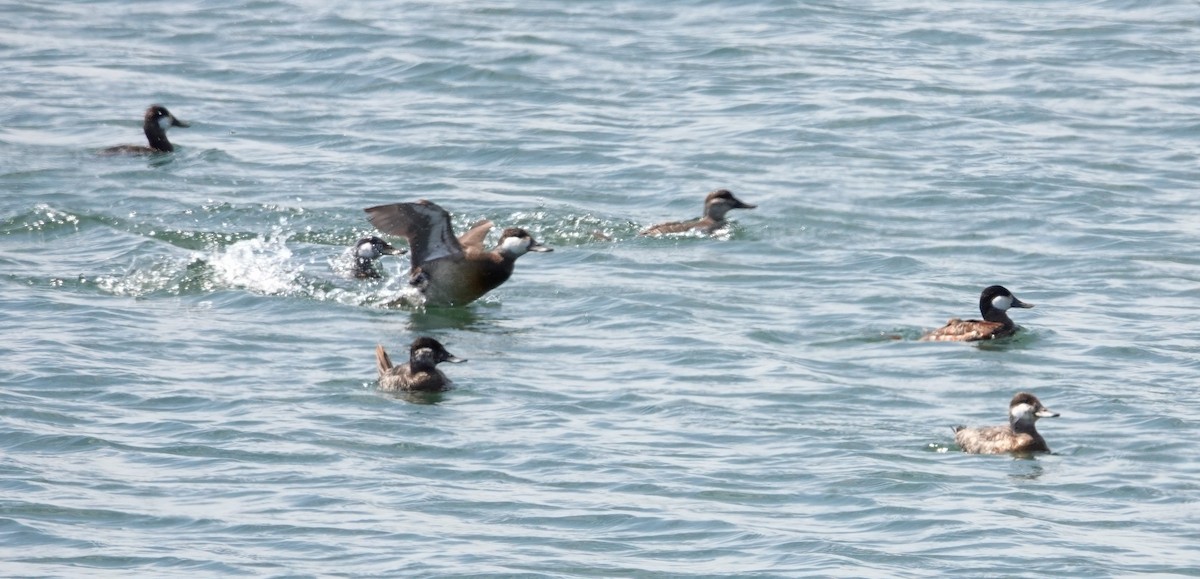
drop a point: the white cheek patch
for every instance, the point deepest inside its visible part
(515, 245)
(366, 250)
(1021, 411)
(164, 122)
(1002, 302)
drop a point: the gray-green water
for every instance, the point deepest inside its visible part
(187, 385)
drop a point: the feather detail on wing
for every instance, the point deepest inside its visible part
(958, 330)
(426, 226)
(473, 238)
(382, 362)
(994, 440)
(672, 227)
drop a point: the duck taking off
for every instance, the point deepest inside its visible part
(449, 270)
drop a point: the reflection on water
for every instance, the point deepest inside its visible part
(1029, 466)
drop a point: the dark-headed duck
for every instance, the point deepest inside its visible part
(994, 302)
(155, 124)
(366, 251)
(420, 373)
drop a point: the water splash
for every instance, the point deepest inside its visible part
(261, 265)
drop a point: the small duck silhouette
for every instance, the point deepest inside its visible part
(716, 205)
(155, 123)
(366, 253)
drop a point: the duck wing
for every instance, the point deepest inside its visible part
(985, 440)
(383, 363)
(426, 226)
(957, 330)
(673, 227)
(473, 238)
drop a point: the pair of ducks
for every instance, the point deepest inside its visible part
(1019, 435)
(158, 119)
(994, 303)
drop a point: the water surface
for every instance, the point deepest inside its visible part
(187, 382)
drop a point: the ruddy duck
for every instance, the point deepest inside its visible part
(366, 251)
(1018, 436)
(420, 373)
(993, 303)
(156, 122)
(451, 271)
(716, 205)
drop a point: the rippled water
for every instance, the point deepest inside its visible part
(187, 383)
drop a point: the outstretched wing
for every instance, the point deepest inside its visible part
(425, 225)
(473, 238)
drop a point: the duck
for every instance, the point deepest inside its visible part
(994, 304)
(420, 373)
(155, 123)
(716, 205)
(367, 251)
(1019, 435)
(448, 270)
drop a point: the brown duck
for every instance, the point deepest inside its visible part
(716, 205)
(420, 373)
(994, 303)
(449, 270)
(1019, 435)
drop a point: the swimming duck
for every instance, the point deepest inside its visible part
(451, 271)
(366, 251)
(1019, 435)
(420, 373)
(155, 124)
(993, 303)
(716, 205)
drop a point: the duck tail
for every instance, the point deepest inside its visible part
(382, 362)
(955, 428)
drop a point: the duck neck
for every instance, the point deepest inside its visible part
(1023, 426)
(158, 138)
(423, 363)
(716, 212)
(997, 315)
